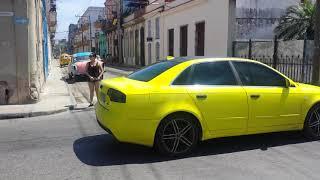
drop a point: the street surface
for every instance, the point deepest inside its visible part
(71, 145)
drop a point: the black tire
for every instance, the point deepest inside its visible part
(70, 77)
(177, 135)
(311, 128)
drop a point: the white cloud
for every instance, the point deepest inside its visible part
(67, 11)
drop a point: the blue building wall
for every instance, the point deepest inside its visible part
(45, 40)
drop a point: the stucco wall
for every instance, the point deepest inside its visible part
(218, 30)
(7, 50)
(21, 51)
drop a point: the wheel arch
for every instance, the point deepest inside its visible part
(197, 118)
(307, 111)
(308, 105)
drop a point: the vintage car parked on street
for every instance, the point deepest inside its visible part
(77, 67)
(173, 105)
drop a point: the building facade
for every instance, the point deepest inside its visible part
(85, 37)
(256, 19)
(179, 28)
(25, 48)
(73, 28)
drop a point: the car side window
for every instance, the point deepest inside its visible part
(208, 73)
(184, 78)
(213, 73)
(253, 74)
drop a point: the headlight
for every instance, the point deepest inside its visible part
(116, 96)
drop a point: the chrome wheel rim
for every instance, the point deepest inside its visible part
(178, 136)
(314, 122)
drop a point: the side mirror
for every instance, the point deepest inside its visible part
(289, 84)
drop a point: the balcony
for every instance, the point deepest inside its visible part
(52, 29)
(98, 24)
(84, 27)
(52, 18)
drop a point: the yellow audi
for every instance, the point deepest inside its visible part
(173, 105)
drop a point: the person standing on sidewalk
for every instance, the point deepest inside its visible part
(94, 71)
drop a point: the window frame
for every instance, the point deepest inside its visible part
(171, 45)
(184, 46)
(157, 25)
(192, 66)
(196, 44)
(263, 65)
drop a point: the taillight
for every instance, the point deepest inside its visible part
(116, 96)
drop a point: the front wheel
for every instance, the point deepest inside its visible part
(177, 135)
(312, 123)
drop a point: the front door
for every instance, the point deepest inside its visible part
(271, 103)
(216, 92)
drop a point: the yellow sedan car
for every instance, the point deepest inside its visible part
(172, 105)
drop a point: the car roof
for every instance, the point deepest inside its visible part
(205, 58)
(81, 54)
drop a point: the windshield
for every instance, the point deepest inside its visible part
(80, 58)
(152, 71)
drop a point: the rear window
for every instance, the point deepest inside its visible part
(81, 58)
(152, 71)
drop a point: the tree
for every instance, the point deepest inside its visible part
(297, 22)
(316, 57)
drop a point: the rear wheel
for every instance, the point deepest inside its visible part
(312, 123)
(177, 135)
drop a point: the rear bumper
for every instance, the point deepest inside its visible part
(106, 129)
(116, 123)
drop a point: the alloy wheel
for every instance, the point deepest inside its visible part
(178, 136)
(314, 122)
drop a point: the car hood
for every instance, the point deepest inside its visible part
(125, 85)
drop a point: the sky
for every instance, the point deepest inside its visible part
(67, 11)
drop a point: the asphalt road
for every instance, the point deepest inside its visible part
(72, 146)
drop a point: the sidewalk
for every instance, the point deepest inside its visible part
(55, 98)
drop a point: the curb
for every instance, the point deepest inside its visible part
(31, 114)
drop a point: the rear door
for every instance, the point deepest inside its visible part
(216, 92)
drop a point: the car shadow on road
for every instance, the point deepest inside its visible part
(103, 150)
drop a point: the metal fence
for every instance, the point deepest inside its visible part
(292, 58)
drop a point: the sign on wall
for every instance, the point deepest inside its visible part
(6, 14)
(21, 20)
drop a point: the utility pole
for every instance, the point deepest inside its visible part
(316, 55)
(119, 30)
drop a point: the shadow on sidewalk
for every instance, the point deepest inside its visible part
(102, 150)
(75, 80)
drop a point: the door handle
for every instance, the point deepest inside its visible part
(255, 96)
(202, 96)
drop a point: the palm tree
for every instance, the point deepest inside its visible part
(297, 22)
